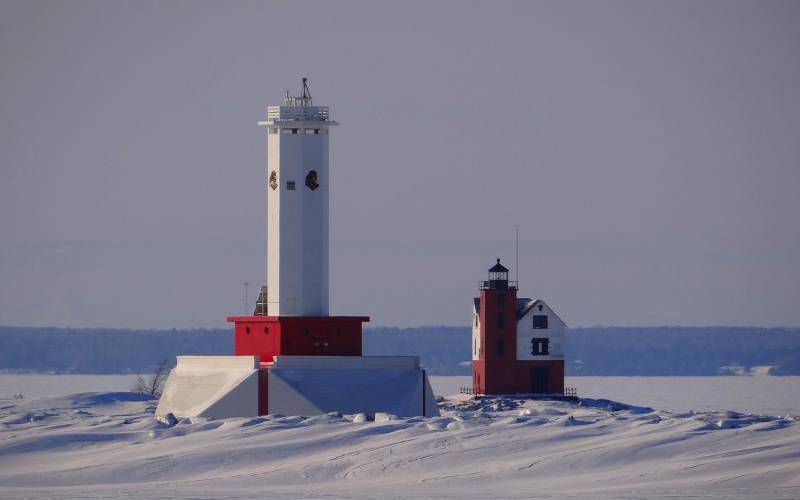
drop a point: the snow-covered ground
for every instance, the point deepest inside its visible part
(108, 445)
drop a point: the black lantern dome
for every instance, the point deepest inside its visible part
(498, 277)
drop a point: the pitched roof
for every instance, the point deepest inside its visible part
(530, 304)
(524, 306)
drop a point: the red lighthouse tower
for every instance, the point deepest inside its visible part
(517, 343)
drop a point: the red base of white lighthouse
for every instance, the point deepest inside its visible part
(270, 336)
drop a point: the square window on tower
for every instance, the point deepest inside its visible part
(540, 322)
(290, 185)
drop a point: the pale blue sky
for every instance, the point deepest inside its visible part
(649, 153)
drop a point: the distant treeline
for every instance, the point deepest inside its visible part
(443, 350)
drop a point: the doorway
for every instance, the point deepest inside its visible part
(540, 380)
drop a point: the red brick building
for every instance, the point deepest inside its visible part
(517, 343)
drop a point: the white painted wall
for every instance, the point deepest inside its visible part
(476, 331)
(310, 385)
(227, 386)
(298, 220)
(554, 332)
(211, 387)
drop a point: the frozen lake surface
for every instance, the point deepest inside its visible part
(39, 385)
(768, 395)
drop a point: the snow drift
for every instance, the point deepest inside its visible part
(110, 446)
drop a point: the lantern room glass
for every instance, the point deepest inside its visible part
(498, 276)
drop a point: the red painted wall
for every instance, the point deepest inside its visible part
(270, 336)
(478, 377)
(256, 337)
(263, 391)
(326, 336)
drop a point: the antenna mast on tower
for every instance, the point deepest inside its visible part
(516, 262)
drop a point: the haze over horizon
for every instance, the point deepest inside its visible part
(648, 152)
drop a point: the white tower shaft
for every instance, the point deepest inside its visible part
(297, 208)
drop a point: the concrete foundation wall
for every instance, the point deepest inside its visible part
(211, 387)
(309, 385)
(229, 386)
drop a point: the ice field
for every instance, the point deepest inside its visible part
(108, 445)
(770, 395)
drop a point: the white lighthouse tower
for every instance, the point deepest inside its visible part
(291, 356)
(297, 207)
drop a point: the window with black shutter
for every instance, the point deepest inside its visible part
(540, 347)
